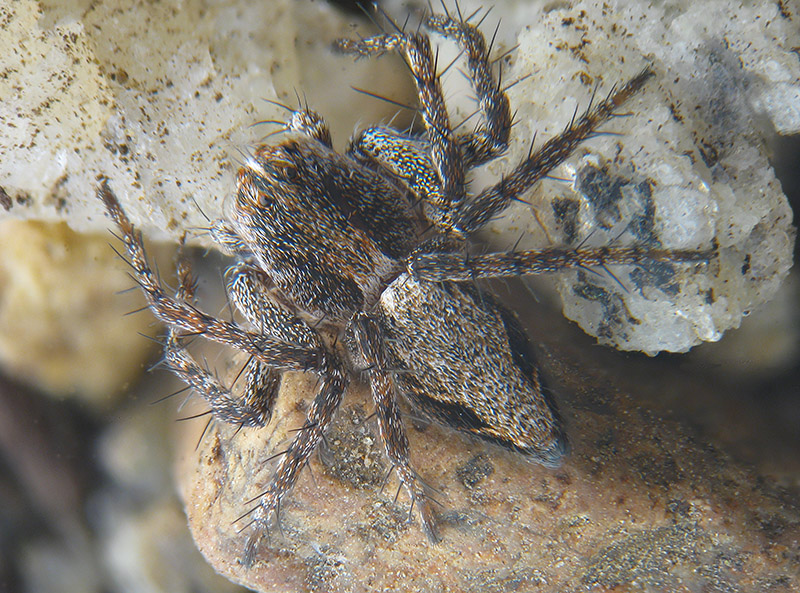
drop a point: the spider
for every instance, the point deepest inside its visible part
(358, 264)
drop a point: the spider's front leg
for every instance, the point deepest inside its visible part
(254, 407)
(474, 213)
(272, 352)
(445, 153)
(435, 173)
(490, 137)
(250, 291)
(368, 345)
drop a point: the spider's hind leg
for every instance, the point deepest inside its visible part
(251, 291)
(333, 382)
(367, 338)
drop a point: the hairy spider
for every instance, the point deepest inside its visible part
(358, 263)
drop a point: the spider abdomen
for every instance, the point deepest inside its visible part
(466, 363)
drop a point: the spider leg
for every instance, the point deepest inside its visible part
(255, 405)
(251, 290)
(368, 339)
(444, 149)
(248, 288)
(490, 138)
(333, 384)
(275, 353)
(476, 212)
(438, 267)
(407, 159)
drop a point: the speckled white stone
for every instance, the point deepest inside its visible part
(693, 149)
(161, 97)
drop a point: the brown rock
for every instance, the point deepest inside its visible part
(645, 502)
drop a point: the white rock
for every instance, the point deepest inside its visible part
(693, 151)
(159, 97)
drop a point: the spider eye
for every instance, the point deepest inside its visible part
(263, 199)
(290, 173)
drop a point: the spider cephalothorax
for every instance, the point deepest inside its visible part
(371, 247)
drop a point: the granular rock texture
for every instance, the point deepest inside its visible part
(645, 502)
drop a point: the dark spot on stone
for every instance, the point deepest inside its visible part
(217, 452)
(773, 526)
(606, 191)
(355, 455)
(676, 115)
(603, 191)
(324, 570)
(708, 153)
(474, 470)
(563, 478)
(565, 211)
(658, 275)
(746, 265)
(5, 200)
(615, 313)
(642, 223)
